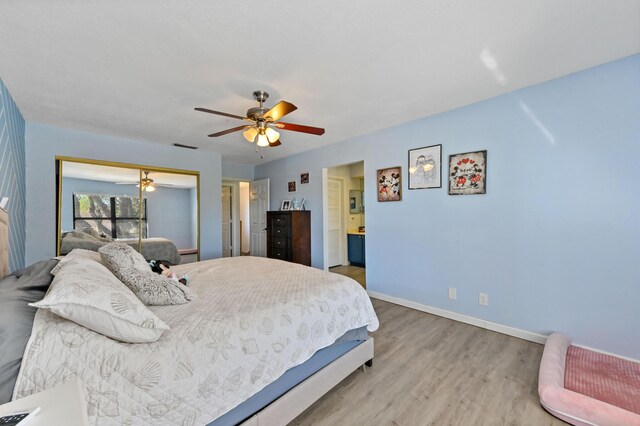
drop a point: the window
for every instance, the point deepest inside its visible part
(116, 216)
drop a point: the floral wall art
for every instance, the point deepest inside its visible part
(468, 173)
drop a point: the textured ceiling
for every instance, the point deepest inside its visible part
(136, 69)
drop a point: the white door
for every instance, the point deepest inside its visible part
(259, 204)
(335, 215)
(226, 222)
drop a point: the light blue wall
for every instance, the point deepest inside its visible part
(12, 174)
(170, 215)
(44, 142)
(171, 211)
(555, 242)
(237, 171)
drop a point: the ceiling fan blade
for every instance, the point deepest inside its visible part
(226, 132)
(281, 109)
(210, 111)
(274, 144)
(300, 128)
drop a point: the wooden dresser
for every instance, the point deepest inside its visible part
(289, 236)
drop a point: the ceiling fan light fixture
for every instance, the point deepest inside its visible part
(271, 135)
(262, 120)
(250, 134)
(150, 188)
(262, 140)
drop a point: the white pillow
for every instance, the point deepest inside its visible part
(75, 254)
(85, 292)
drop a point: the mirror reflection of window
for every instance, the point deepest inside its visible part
(93, 200)
(116, 216)
(101, 203)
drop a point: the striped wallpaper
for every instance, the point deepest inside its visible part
(12, 174)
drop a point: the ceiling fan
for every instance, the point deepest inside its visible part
(263, 121)
(148, 184)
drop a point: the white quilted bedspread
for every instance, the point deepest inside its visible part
(254, 319)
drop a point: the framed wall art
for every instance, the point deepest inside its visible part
(390, 184)
(425, 167)
(468, 173)
(292, 186)
(304, 178)
(286, 205)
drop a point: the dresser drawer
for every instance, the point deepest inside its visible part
(280, 243)
(281, 220)
(279, 253)
(279, 231)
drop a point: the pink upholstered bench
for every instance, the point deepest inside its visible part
(584, 387)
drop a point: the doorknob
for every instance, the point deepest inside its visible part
(264, 229)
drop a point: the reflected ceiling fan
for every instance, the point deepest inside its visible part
(263, 121)
(148, 185)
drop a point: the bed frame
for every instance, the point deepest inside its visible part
(286, 408)
(289, 406)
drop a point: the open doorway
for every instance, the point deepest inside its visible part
(227, 221)
(235, 216)
(245, 222)
(244, 210)
(344, 220)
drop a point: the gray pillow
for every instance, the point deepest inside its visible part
(133, 270)
(16, 318)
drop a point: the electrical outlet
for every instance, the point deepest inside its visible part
(452, 293)
(483, 299)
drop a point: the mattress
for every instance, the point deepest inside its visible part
(291, 378)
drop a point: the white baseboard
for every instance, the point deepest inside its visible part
(493, 326)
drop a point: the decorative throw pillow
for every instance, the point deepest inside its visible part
(85, 292)
(76, 254)
(134, 271)
(89, 230)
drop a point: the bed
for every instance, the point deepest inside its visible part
(262, 342)
(152, 248)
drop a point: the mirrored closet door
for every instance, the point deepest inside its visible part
(154, 210)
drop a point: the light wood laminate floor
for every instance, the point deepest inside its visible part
(355, 272)
(430, 370)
